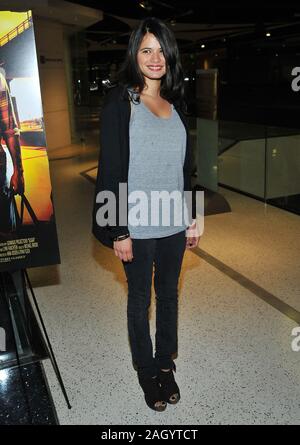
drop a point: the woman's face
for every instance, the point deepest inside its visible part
(150, 57)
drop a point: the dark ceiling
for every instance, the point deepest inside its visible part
(213, 23)
(197, 11)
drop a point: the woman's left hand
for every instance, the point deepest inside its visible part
(192, 237)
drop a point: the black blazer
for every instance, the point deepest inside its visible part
(114, 157)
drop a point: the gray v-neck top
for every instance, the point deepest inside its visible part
(157, 152)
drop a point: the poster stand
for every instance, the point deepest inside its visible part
(29, 342)
(51, 353)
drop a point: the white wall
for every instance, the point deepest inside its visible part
(50, 44)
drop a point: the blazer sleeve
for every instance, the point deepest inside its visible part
(187, 168)
(110, 169)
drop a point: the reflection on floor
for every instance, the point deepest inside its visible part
(25, 397)
(24, 394)
(235, 362)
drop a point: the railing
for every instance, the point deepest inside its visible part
(16, 31)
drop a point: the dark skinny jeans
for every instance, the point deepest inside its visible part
(166, 254)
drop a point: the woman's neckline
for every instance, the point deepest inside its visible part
(155, 115)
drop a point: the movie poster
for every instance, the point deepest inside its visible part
(28, 235)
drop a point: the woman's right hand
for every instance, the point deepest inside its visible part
(123, 249)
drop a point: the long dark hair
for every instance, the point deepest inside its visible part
(130, 75)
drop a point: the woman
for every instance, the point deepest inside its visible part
(142, 118)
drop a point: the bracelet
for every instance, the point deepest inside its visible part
(121, 237)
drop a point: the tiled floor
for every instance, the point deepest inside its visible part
(235, 362)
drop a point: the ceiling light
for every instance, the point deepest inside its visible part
(146, 5)
(268, 34)
(202, 46)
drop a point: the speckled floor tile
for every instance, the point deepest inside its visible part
(259, 241)
(235, 364)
